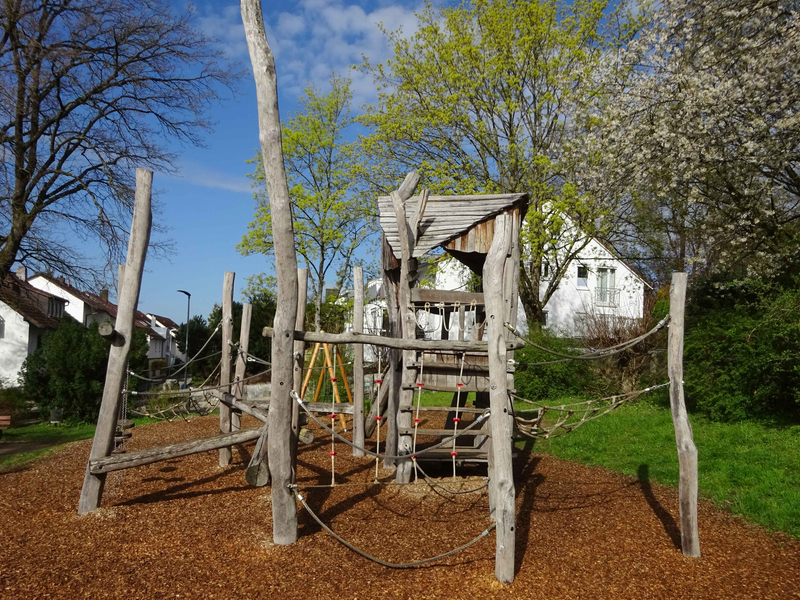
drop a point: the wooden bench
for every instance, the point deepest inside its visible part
(5, 423)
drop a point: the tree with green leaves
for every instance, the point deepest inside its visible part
(481, 99)
(68, 369)
(330, 219)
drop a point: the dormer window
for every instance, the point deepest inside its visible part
(55, 308)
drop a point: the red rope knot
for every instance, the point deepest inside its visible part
(420, 384)
(378, 418)
(460, 384)
(332, 453)
(413, 457)
(454, 454)
(379, 381)
(332, 415)
(456, 419)
(417, 420)
(334, 379)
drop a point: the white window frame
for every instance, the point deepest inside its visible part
(582, 282)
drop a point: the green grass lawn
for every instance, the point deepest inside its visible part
(50, 434)
(751, 468)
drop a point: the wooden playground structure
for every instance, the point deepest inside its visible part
(483, 233)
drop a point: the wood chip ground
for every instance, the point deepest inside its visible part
(186, 528)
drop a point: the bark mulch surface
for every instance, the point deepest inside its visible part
(187, 528)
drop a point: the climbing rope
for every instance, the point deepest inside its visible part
(194, 391)
(596, 354)
(378, 419)
(190, 361)
(435, 484)
(416, 416)
(588, 410)
(341, 438)
(457, 419)
(383, 562)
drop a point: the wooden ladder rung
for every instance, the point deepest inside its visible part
(443, 432)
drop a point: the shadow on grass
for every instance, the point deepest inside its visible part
(670, 526)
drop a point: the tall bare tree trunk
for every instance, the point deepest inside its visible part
(284, 509)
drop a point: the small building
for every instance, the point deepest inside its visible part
(26, 312)
(167, 348)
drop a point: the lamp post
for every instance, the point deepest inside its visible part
(186, 347)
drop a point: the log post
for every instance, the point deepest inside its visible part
(687, 451)
(284, 507)
(391, 382)
(501, 420)
(241, 363)
(225, 419)
(103, 443)
(299, 361)
(358, 361)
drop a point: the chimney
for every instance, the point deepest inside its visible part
(22, 273)
(104, 295)
(153, 322)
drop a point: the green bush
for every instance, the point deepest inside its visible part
(548, 381)
(742, 352)
(12, 402)
(68, 369)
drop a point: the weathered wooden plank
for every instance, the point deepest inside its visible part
(358, 361)
(225, 417)
(422, 295)
(687, 451)
(299, 361)
(129, 287)
(443, 432)
(463, 409)
(257, 472)
(152, 455)
(284, 505)
(389, 342)
(501, 423)
(241, 362)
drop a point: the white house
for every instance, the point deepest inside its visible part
(166, 348)
(88, 308)
(25, 313)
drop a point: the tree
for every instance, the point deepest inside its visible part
(330, 220)
(481, 100)
(68, 369)
(702, 133)
(90, 90)
(199, 332)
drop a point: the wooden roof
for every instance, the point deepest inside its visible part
(445, 218)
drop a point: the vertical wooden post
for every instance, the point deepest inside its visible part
(225, 419)
(501, 420)
(392, 380)
(299, 360)
(358, 361)
(687, 451)
(284, 507)
(241, 363)
(103, 443)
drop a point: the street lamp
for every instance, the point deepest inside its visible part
(186, 348)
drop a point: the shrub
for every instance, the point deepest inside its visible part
(68, 369)
(548, 381)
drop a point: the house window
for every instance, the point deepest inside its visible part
(2, 328)
(545, 270)
(583, 276)
(607, 294)
(55, 308)
(544, 318)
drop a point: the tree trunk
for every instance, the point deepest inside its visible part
(284, 508)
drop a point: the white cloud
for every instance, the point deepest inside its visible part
(316, 38)
(205, 176)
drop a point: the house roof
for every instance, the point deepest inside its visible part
(28, 302)
(165, 321)
(97, 303)
(445, 218)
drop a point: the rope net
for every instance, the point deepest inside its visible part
(548, 422)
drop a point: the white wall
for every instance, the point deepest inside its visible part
(75, 307)
(14, 345)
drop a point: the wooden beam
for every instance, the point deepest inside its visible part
(422, 295)
(420, 212)
(358, 361)
(448, 346)
(241, 363)
(299, 360)
(259, 411)
(129, 287)
(501, 423)
(225, 418)
(284, 505)
(687, 451)
(118, 462)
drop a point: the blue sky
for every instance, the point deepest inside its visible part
(208, 203)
